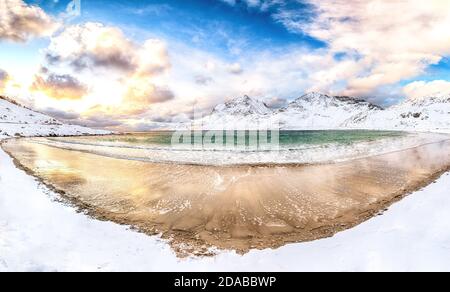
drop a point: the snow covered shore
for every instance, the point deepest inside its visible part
(39, 234)
(18, 121)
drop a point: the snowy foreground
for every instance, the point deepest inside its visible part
(39, 234)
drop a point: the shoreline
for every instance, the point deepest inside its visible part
(326, 153)
(178, 238)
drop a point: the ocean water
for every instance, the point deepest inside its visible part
(251, 140)
(296, 147)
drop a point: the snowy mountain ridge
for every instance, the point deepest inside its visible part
(428, 100)
(316, 111)
(242, 106)
(19, 121)
(326, 100)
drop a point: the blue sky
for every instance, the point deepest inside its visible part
(206, 24)
(155, 59)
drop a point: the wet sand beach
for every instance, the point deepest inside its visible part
(232, 207)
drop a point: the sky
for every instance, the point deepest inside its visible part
(132, 64)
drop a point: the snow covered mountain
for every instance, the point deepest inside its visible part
(242, 112)
(312, 111)
(315, 111)
(425, 114)
(18, 121)
(242, 106)
(318, 111)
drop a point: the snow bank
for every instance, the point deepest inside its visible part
(18, 121)
(39, 234)
(33, 130)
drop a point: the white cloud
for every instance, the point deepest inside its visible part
(20, 21)
(262, 5)
(59, 86)
(230, 2)
(104, 71)
(390, 40)
(93, 45)
(423, 89)
(235, 68)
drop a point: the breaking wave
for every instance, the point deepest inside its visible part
(140, 148)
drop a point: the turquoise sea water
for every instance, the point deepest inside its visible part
(286, 138)
(292, 146)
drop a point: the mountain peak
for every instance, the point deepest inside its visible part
(430, 99)
(243, 105)
(316, 98)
